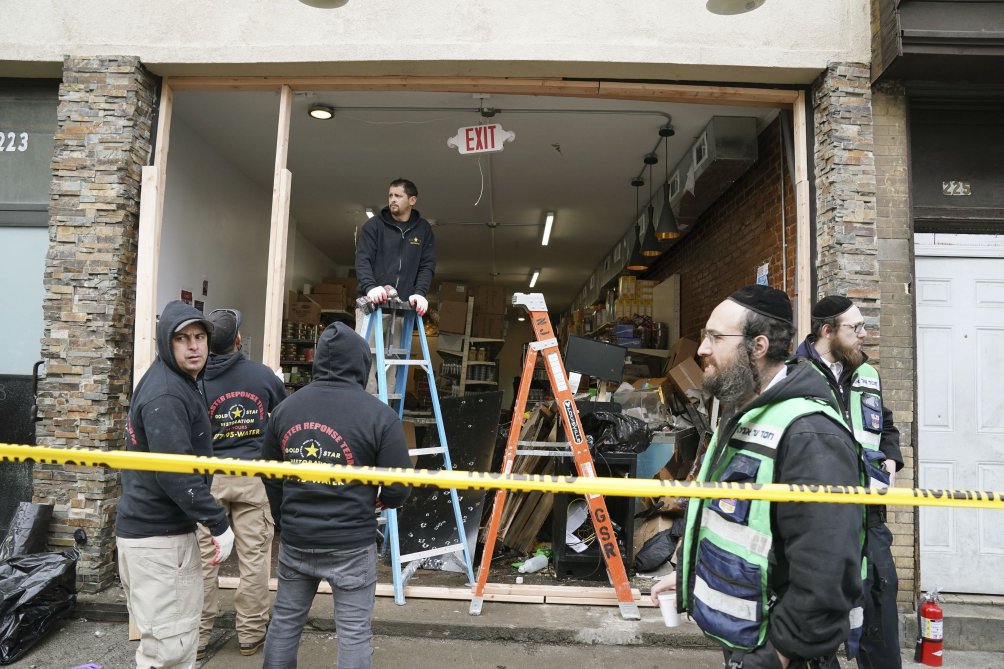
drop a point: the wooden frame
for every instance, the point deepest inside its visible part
(151, 220)
(151, 207)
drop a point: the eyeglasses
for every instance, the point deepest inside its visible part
(857, 327)
(713, 337)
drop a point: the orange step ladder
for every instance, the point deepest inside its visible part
(546, 344)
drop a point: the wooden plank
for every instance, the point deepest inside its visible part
(596, 601)
(416, 591)
(682, 93)
(803, 222)
(151, 220)
(278, 235)
(147, 256)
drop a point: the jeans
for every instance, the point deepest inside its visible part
(352, 575)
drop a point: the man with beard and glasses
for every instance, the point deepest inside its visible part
(774, 583)
(834, 348)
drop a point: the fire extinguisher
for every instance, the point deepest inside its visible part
(930, 630)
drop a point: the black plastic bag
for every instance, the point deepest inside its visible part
(37, 591)
(27, 531)
(616, 432)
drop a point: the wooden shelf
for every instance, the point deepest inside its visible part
(486, 340)
(481, 383)
(447, 351)
(657, 352)
(299, 341)
(481, 362)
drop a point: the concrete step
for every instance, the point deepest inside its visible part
(969, 625)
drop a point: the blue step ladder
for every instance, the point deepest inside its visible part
(399, 357)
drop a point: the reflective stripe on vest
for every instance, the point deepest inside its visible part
(728, 541)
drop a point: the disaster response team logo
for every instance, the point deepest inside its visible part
(237, 415)
(311, 441)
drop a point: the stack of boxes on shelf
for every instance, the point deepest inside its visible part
(634, 297)
(330, 294)
(489, 312)
(452, 307)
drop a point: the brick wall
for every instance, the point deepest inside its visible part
(898, 351)
(737, 234)
(106, 106)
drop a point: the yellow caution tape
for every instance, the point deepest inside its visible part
(465, 480)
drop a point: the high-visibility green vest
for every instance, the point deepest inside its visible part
(727, 542)
(864, 416)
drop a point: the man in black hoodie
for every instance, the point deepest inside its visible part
(158, 553)
(397, 248)
(834, 348)
(241, 393)
(329, 531)
(774, 583)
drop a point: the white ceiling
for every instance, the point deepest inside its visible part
(575, 157)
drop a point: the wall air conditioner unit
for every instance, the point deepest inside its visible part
(724, 150)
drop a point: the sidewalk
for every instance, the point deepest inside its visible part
(971, 624)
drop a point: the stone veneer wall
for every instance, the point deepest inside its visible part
(895, 259)
(105, 115)
(862, 256)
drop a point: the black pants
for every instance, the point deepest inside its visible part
(765, 657)
(880, 645)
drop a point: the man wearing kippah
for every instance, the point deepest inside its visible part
(240, 394)
(774, 583)
(834, 348)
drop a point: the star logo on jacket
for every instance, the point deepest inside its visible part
(310, 448)
(236, 411)
(415, 241)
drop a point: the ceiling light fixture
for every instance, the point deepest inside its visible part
(636, 261)
(369, 213)
(548, 222)
(321, 112)
(731, 7)
(667, 228)
(533, 279)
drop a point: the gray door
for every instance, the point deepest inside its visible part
(960, 413)
(22, 264)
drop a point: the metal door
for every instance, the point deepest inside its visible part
(960, 415)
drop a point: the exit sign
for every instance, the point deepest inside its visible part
(480, 139)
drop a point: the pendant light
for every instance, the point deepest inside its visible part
(667, 229)
(649, 243)
(636, 261)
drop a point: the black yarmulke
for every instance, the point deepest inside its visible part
(765, 300)
(831, 307)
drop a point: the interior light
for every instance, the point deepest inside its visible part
(521, 318)
(369, 213)
(548, 222)
(321, 112)
(730, 7)
(533, 279)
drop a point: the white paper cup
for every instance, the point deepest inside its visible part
(667, 604)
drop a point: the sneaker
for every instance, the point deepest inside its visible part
(252, 647)
(200, 653)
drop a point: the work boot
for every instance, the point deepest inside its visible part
(251, 647)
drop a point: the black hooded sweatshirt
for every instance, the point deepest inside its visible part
(391, 253)
(334, 420)
(168, 415)
(241, 393)
(816, 553)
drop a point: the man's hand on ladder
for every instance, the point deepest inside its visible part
(420, 303)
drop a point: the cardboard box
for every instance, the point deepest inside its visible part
(306, 311)
(687, 376)
(349, 283)
(626, 286)
(682, 349)
(330, 300)
(488, 326)
(453, 316)
(662, 383)
(452, 292)
(489, 299)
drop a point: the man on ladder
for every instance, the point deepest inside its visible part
(547, 345)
